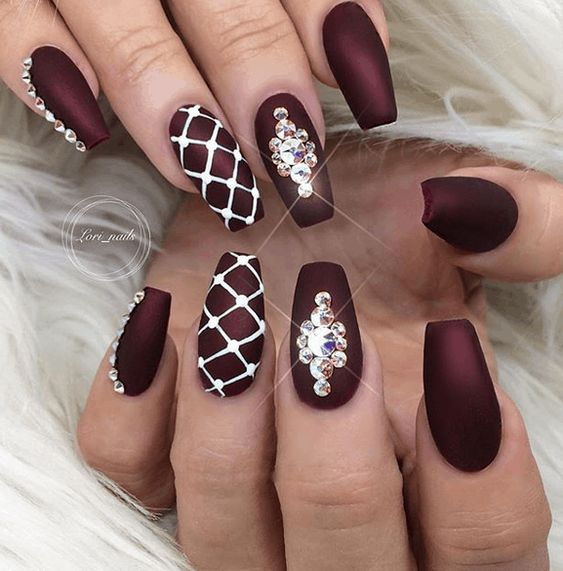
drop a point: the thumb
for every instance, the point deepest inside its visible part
(498, 222)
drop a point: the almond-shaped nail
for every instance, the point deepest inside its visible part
(294, 158)
(461, 403)
(212, 159)
(358, 60)
(138, 347)
(60, 91)
(325, 343)
(469, 213)
(232, 326)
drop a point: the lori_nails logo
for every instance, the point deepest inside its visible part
(90, 235)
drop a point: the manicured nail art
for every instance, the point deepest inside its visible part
(212, 159)
(140, 342)
(232, 326)
(62, 93)
(461, 404)
(294, 158)
(358, 60)
(326, 347)
(469, 213)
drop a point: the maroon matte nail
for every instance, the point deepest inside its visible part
(212, 159)
(294, 158)
(326, 347)
(469, 213)
(461, 404)
(62, 93)
(358, 60)
(140, 342)
(232, 326)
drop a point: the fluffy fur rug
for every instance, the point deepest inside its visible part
(482, 72)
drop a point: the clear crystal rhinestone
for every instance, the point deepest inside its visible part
(118, 387)
(276, 158)
(323, 299)
(27, 63)
(310, 146)
(31, 91)
(321, 368)
(70, 136)
(338, 359)
(322, 342)
(292, 151)
(119, 332)
(112, 359)
(59, 126)
(307, 327)
(80, 146)
(285, 129)
(302, 341)
(306, 355)
(305, 190)
(339, 329)
(49, 116)
(280, 113)
(311, 159)
(139, 296)
(300, 173)
(341, 344)
(321, 316)
(26, 76)
(322, 388)
(284, 170)
(113, 375)
(40, 104)
(274, 144)
(115, 345)
(302, 135)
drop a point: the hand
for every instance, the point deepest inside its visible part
(393, 478)
(176, 80)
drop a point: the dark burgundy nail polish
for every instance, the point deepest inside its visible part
(63, 94)
(232, 326)
(469, 213)
(357, 57)
(325, 342)
(294, 158)
(140, 342)
(212, 159)
(461, 404)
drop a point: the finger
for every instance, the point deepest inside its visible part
(256, 41)
(223, 450)
(56, 82)
(346, 43)
(481, 501)
(164, 103)
(498, 222)
(337, 476)
(124, 431)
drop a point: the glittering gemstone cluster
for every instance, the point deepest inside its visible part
(322, 343)
(113, 373)
(69, 135)
(293, 153)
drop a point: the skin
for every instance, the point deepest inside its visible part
(392, 502)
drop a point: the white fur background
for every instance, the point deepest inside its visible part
(483, 72)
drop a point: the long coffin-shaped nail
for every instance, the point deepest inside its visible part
(63, 95)
(358, 60)
(469, 213)
(232, 326)
(326, 347)
(294, 158)
(140, 342)
(461, 404)
(212, 159)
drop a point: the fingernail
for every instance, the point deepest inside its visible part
(212, 159)
(232, 326)
(326, 347)
(469, 213)
(294, 158)
(358, 60)
(140, 342)
(63, 95)
(461, 404)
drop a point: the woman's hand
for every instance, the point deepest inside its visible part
(198, 78)
(413, 458)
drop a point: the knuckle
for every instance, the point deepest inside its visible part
(140, 51)
(245, 30)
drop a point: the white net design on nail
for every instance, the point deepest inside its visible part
(232, 346)
(207, 177)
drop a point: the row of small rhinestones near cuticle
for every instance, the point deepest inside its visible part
(113, 374)
(59, 126)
